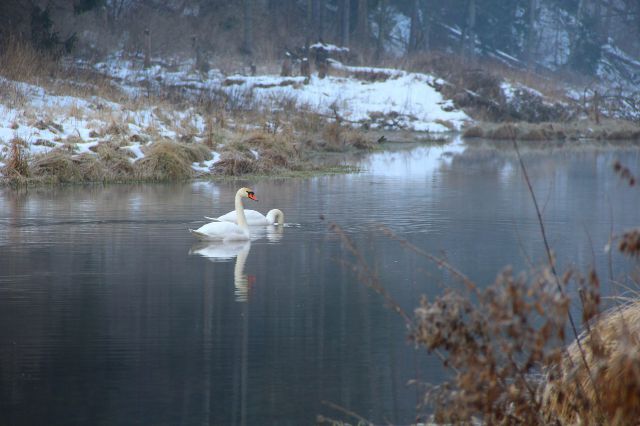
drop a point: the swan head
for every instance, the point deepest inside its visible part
(247, 193)
(275, 216)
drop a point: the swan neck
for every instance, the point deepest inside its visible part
(242, 220)
(275, 216)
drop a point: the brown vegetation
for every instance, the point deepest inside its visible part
(58, 166)
(506, 349)
(337, 137)
(606, 130)
(165, 161)
(608, 391)
(16, 167)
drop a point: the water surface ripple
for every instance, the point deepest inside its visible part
(111, 313)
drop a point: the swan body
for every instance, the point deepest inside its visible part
(227, 231)
(273, 217)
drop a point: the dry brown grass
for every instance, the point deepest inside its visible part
(16, 166)
(308, 123)
(473, 132)
(64, 167)
(454, 68)
(609, 391)
(21, 62)
(276, 153)
(57, 165)
(607, 130)
(233, 165)
(116, 161)
(496, 343)
(505, 347)
(338, 137)
(12, 96)
(166, 161)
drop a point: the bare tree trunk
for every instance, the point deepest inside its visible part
(363, 22)
(320, 18)
(469, 44)
(314, 20)
(599, 21)
(607, 21)
(426, 29)
(309, 22)
(381, 28)
(531, 34)
(346, 9)
(415, 28)
(147, 48)
(275, 17)
(247, 45)
(290, 18)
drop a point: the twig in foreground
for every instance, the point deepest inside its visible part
(553, 266)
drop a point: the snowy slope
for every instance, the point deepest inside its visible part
(409, 98)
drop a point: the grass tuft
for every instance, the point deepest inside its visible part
(17, 165)
(57, 166)
(612, 394)
(165, 161)
(234, 166)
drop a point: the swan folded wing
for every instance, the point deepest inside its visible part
(230, 217)
(253, 217)
(220, 231)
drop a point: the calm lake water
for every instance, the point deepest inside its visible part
(111, 313)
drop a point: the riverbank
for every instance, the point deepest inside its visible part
(117, 121)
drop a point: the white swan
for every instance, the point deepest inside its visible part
(227, 231)
(273, 217)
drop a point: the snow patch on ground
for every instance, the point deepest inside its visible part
(137, 151)
(205, 166)
(367, 96)
(354, 96)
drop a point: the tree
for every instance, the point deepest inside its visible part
(381, 21)
(531, 33)
(469, 33)
(345, 27)
(247, 44)
(27, 21)
(362, 28)
(586, 47)
(414, 31)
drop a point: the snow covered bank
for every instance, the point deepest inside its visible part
(374, 97)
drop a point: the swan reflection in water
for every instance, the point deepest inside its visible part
(273, 233)
(219, 251)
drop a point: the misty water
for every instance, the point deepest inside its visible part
(112, 313)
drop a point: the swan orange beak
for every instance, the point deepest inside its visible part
(252, 196)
